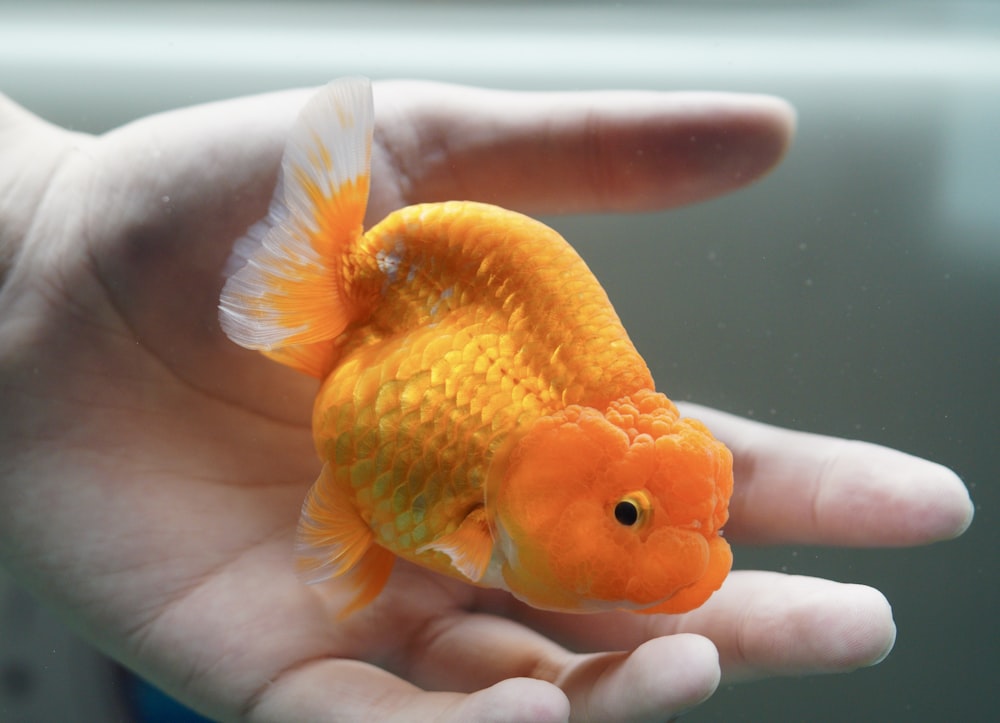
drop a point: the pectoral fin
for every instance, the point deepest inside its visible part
(470, 546)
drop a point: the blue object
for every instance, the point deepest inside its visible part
(152, 705)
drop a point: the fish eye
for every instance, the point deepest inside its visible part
(627, 512)
(635, 508)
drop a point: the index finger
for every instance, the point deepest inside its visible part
(559, 152)
(797, 487)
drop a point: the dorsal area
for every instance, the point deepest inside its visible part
(510, 280)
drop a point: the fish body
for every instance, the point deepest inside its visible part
(482, 411)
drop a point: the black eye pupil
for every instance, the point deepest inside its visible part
(626, 513)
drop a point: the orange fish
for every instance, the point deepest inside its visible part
(482, 411)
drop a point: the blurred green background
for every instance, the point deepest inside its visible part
(854, 292)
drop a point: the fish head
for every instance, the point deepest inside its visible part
(620, 508)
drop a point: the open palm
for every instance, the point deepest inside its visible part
(151, 472)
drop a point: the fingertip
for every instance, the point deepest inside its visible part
(685, 664)
(932, 502)
(516, 700)
(734, 140)
(953, 514)
(867, 631)
(768, 624)
(781, 122)
(768, 116)
(761, 134)
(661, 678)
(851, 627)
(780, 115)
(834, 628)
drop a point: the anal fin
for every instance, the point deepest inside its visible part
(335, 542)
(368, 578)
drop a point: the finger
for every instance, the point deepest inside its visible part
(331, 691)
(562, 152)
(767, 624)
(761, 623)
(658, 679)
(468, 652)
(539, 152)
(807, 488)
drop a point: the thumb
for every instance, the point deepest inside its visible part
(30, 153)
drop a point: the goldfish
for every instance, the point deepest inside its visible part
(481, 410)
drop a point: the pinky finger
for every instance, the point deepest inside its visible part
(660, 679)
(335, 691)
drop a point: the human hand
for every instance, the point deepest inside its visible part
(151, 472)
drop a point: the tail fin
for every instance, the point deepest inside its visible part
(289, 290)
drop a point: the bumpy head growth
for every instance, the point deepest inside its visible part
(620, 508)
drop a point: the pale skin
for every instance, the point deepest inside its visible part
(151, 472)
